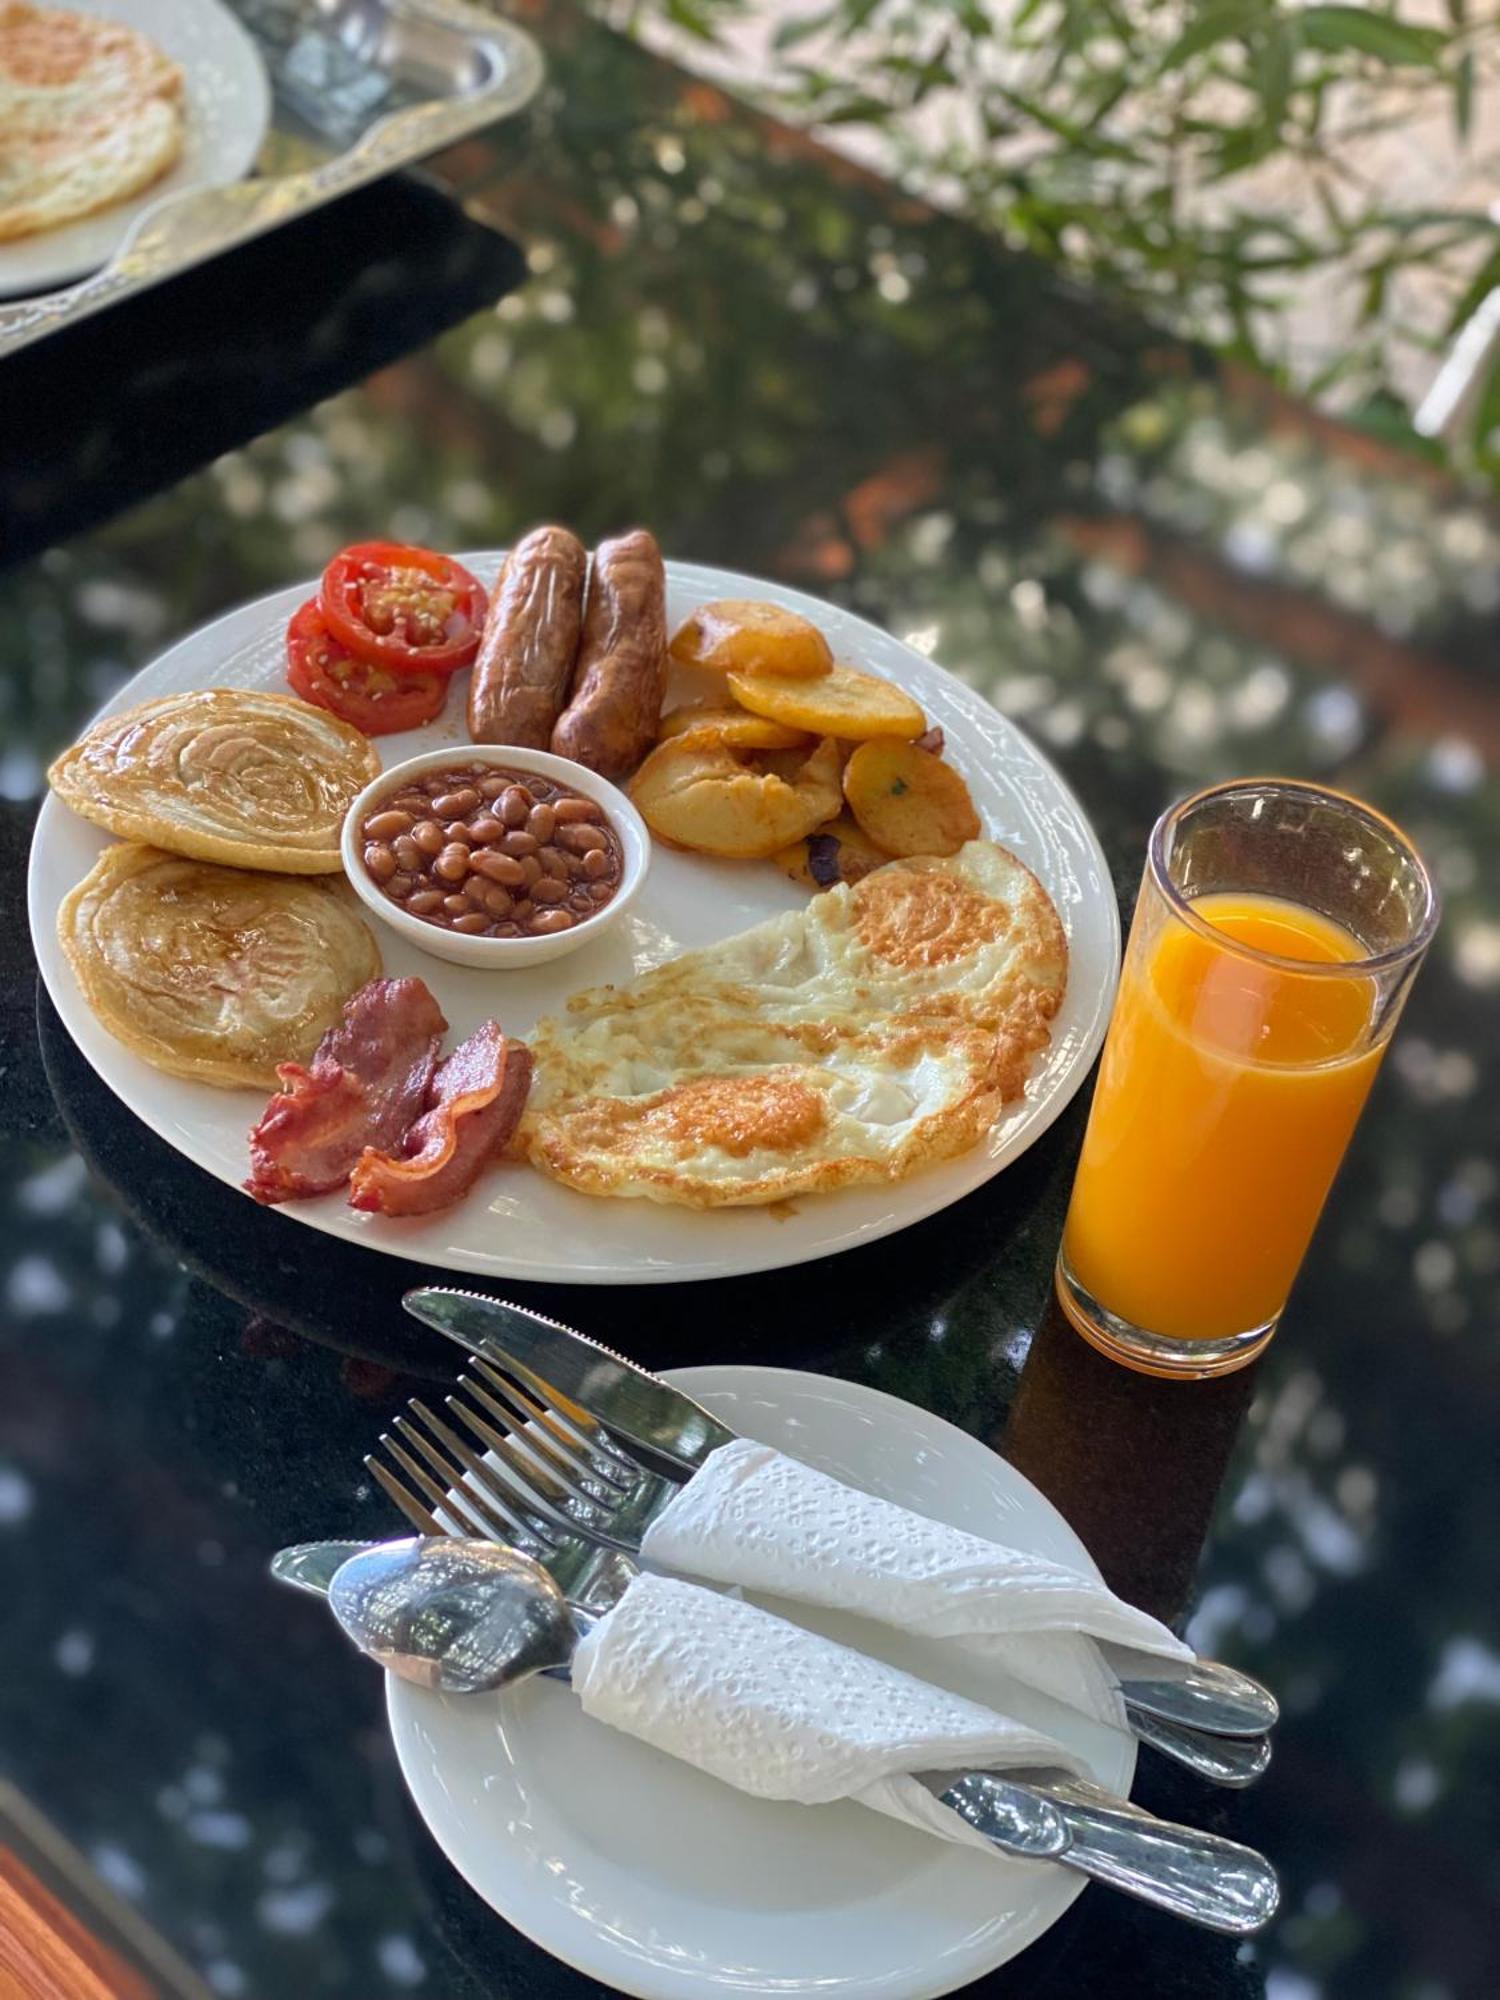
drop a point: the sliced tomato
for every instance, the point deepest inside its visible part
(412, 610)
(371, 697)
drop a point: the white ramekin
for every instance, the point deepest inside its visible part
(499, 952)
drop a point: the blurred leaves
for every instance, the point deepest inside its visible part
(1340, 29)
(1125, 140)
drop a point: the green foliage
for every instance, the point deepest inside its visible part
(1121, 139)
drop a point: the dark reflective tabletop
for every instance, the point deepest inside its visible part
(1167, 573)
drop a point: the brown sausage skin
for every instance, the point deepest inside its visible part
(530, 642)
(610, 722)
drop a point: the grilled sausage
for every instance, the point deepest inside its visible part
(610, 722)
(530, 642)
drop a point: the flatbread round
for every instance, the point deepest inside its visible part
(213, 973)
(90, 113)
(224, 774)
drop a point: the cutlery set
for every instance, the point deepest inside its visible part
(531, 1496)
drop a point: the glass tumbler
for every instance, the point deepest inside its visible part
(1277, 933)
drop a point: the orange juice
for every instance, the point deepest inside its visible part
(1228, 1092)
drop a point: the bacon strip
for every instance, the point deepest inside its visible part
(368, 1080)
(474, 1105)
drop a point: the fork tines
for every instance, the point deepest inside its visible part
(544, 1469)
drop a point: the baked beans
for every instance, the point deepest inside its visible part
(492, 853)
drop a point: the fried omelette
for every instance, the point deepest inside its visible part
(90, 113)
(881, 1028)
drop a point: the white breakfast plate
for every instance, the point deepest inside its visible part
(227, 105)
(656, 1879)
(516, 1224)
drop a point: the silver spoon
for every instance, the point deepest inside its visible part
(1233, 1761)
(466, 1617)
(459, 1616)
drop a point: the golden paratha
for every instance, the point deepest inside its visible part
(223, 774)
(212, 973)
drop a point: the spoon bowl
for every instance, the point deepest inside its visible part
(462, 1617)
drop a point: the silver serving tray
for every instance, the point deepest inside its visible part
(360, 88)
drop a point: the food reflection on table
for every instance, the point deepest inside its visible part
(90, 114)
(932, 962)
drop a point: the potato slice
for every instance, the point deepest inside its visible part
(731, 725)
(840, 851)
(701, 793)
(739, 636)
(908, 801)
(843, 703)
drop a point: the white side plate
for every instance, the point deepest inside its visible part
(661, 1882)
(515, 1224)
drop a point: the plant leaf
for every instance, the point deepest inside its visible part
(803, 28)
(1376, 285)
(1227, 20)
(1463, 96)
(1336, 29)
(855, 111)
(1273, 74)
(1478, 289)
(693, 20)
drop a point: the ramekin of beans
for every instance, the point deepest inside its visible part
(493, 856)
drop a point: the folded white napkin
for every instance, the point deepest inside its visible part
(754, 1517)
(785, 1714)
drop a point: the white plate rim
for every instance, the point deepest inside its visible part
(719, 1385)
(32, 266)
(821, 1226)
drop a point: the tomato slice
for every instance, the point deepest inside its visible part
(371, 697)
(408, 609)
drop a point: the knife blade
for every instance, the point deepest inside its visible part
(638, 1407)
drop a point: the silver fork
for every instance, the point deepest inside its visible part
(1044, 1814)
(531, 1466)
(572, 1494)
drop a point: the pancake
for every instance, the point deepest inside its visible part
(883, 1027)
(224, 774)
(213, 973)
(90, 113)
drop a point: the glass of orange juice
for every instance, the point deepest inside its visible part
(1276, 937)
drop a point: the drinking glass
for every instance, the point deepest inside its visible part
(1276, 936)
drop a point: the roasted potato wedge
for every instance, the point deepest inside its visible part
(840, 851)
(734, 726)
(737, 635)
(699, 792)
(844, 703)
(908, 801)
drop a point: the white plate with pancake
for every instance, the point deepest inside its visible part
(225, 104)
(515, 1223)
(542, 1809)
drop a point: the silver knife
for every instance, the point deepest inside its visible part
(641, 1409)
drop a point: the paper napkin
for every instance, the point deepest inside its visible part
(754, 1517)
(785, 1714)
